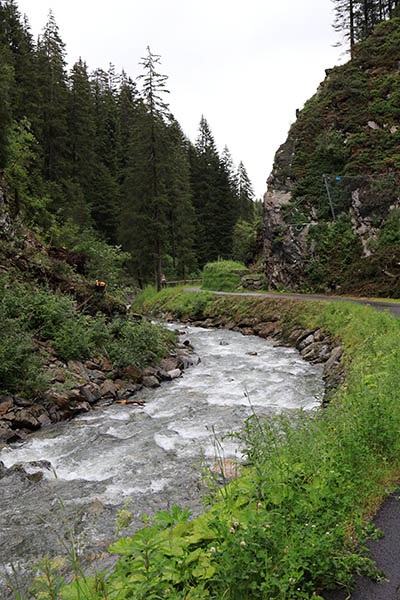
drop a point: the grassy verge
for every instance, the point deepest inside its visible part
(289, 527)
(222, 275)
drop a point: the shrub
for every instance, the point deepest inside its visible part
(137, 343)
(19, 362)
(73, 340)
(223, 275)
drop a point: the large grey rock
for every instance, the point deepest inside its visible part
(335, 356)
(24, 419)
(150, 381)
(175, 373)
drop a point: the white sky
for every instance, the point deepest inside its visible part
(245, 64)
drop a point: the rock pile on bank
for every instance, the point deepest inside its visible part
(77, 387)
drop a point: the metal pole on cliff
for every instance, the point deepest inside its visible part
(325, 178)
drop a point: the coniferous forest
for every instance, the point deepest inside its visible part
(96, 157)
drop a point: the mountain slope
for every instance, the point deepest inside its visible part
(332, 216)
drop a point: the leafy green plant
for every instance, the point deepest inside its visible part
(137, 343)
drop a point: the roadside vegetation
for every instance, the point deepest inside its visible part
(292, 524)
(222, 275)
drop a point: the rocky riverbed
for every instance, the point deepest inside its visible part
(146, 451)
(77, 387)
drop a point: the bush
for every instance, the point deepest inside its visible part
(73, 340)
(137, 343)
(223, 275)
(20, 365)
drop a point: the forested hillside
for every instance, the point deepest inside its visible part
(91, 158)
(332, 209)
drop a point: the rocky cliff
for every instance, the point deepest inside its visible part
(332, 210)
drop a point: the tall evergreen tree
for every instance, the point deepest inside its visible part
(54, 96)
(180, 213)
(82, 163)
(154, 86)
(356, 19)
(104, 193)
(204, 161)
(144, 225)
(245, 194)
(214, 198)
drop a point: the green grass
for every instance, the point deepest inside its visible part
(222, 275)
(289, 527)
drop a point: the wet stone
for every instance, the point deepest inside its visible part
(22, 402)
(175, 373)
(150, 381)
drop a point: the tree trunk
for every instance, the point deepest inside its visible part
(351, 19)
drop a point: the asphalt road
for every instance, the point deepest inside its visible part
(385, 551)
(381, 305)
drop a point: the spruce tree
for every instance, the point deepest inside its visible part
(180, 215)
(52, 80)
(104, 193)
(245, 194)
(204, 163)
(152, 158)
(82, 163)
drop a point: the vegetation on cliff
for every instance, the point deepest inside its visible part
(348, 131)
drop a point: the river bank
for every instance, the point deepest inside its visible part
(78, 387)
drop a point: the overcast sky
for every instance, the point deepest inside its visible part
(245, 65)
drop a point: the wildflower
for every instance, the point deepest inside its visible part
(259, 505)
(292, 580)
(313, 526)
(213, 550)
(286, 550)
(328, 533)
(236, 524)
(243, 543)
(232, 530)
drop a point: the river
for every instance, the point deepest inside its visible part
(148, 455)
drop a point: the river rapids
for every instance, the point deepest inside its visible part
(149, 455)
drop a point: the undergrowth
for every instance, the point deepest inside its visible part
(31, 316)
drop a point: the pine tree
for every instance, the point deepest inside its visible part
(17, 74)
(82, 163)
(104, 193)
(204, 162)
(52, 81)
(214, 197)
(181, 218)
(345, 19)
(245, 194)
(153, 138)
(356, 19)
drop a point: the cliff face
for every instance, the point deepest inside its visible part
(332, 210)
